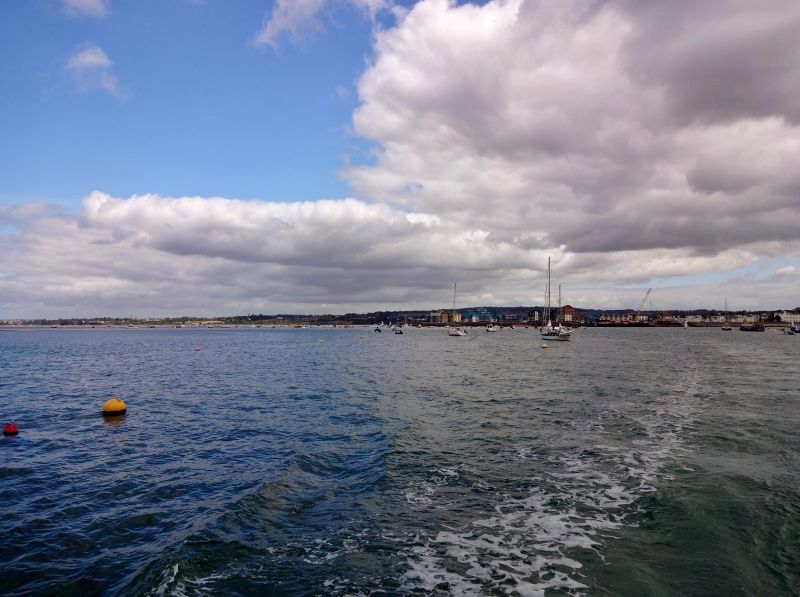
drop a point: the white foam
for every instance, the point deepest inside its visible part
(579, 501)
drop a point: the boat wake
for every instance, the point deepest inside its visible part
(580, 500)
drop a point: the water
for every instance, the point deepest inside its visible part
(338, 461)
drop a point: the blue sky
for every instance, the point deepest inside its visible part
(211, 157)
(203, 110)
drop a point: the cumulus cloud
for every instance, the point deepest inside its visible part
(300, 19)
(149, 254)
(97, 9)
(638, 144)
(208, 253)
(91, 69)
(595, 127)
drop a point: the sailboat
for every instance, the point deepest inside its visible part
(452, 330)
(726, 326)
(548, 330)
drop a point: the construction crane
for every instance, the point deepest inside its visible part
(646, 294)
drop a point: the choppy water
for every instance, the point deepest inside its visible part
(338, 461)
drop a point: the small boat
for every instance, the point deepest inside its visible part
(491, 328)
(397, 330)
(378, 330)
(726, 326)
(549, 331)
(755, 327)
(685, 325)
(453, 330)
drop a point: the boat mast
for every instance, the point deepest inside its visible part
(453, 314)
(547, 294)
(558, 315)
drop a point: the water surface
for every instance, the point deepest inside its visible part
(339, 461)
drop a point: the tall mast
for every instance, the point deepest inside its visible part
(453, 315)
(558, 316)
(547, 298)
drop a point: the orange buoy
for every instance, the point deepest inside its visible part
(10, 429)
(114, 407)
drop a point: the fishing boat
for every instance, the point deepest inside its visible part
(550, 331)
(452, 329)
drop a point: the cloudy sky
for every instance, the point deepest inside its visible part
(233, 156)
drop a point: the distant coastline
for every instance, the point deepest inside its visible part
(473, 316)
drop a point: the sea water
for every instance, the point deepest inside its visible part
(343, 462)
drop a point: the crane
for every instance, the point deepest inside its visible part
(646, 294)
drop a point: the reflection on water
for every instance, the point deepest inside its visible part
(114, 421)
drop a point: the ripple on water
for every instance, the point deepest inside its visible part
(271, 462)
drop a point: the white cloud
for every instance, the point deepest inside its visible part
(534, 119)
(90, 58)
(97, 9)
(300, 19)
(504, 133)
(91, 69)
(158, 255)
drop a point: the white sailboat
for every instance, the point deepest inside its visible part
(452, 329)
(491, 328)
(726, 327)
(549, 331)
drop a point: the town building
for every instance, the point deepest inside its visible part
(788, 316)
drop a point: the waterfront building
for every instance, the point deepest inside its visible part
(568, 313)
(788, 316)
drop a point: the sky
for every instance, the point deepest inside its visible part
(221, 157)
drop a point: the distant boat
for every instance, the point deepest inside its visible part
(685, 324)
(726, 326)
(549, 331)
(793, 328)
(453, 330)
(755, 327)
(378, 330)
(397, 330)
(491, 328)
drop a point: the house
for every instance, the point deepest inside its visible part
(568, 313)
(787, 316)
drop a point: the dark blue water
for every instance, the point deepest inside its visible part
(338, 461)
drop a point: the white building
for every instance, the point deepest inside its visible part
(787, 316)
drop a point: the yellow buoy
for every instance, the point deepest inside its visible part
(113, 407)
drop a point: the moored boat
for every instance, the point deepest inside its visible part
(550, 331)
(726, 327)
(453, 330)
